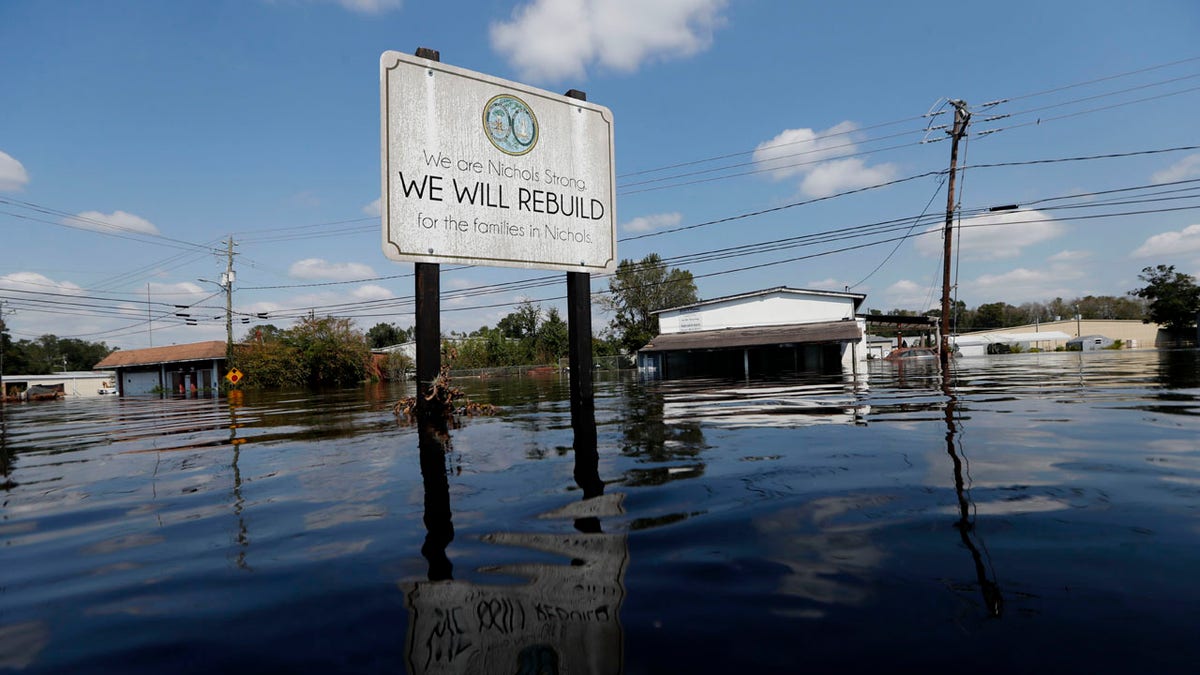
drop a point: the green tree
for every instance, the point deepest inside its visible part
(317, 352)
(49, 354)
(637, 290)
(386, 335)
(550, 340)
(1174, 298)
(992, 315)
(522, 323)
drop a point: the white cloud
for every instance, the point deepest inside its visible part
(38, 283)
(906, 294)
(558, 39)
(305, 198)
(178, 290)
(819, 157)
(371, 292)
(375, 208)
(1185, 241)
(13, 176)
(1021, 285)
(1188, 167)
(829, 284)
(653, 222)
(370, 6)
(994, 236)
(844, 174)
(803, 147)
(318, 268)
(117, 220)
(1069, 256)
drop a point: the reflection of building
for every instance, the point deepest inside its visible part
(177, 369)
(760, 406)
(565, 619)
(766, 332)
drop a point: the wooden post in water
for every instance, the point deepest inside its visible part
(579, 332)
(428, 324)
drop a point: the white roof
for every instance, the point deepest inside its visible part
(993, 338)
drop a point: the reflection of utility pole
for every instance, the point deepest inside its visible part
(992, 600)
(961, 117)
(243, 537)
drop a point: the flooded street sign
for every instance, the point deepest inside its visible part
(480, 170)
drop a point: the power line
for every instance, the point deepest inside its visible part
(1085, 158)
(1106, 78)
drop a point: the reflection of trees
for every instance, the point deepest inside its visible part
(645, 434)
(1179, 369)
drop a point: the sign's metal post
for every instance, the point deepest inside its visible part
(579, 332)
(427, 292)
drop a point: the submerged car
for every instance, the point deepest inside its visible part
(911, 354)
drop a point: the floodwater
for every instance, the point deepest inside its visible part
(1042, 517)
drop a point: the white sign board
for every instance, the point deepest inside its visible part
(485, 171)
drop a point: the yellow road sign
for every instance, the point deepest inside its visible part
(234, 376)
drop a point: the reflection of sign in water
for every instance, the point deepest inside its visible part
(566, 619)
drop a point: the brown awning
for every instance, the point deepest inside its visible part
(196, 351)
(803, 333)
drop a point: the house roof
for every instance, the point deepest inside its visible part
(809, 333)
(196, 351)
(856, 297)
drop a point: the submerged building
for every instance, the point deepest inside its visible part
(180, 369)
(769, 332)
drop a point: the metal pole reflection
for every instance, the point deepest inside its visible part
(992, 599)
(433, 442)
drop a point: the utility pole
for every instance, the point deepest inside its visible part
(149, 319)
(961, 117)
(3, 330)
(227, 282)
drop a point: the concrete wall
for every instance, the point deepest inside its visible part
(1144, 335)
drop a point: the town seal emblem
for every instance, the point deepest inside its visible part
(510, 124)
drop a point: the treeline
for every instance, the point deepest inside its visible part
(993, 315)
(49, 354)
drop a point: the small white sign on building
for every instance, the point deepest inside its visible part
(481, 170)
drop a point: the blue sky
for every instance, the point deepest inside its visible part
(135, 137)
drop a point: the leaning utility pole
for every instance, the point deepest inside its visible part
(961, 117)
